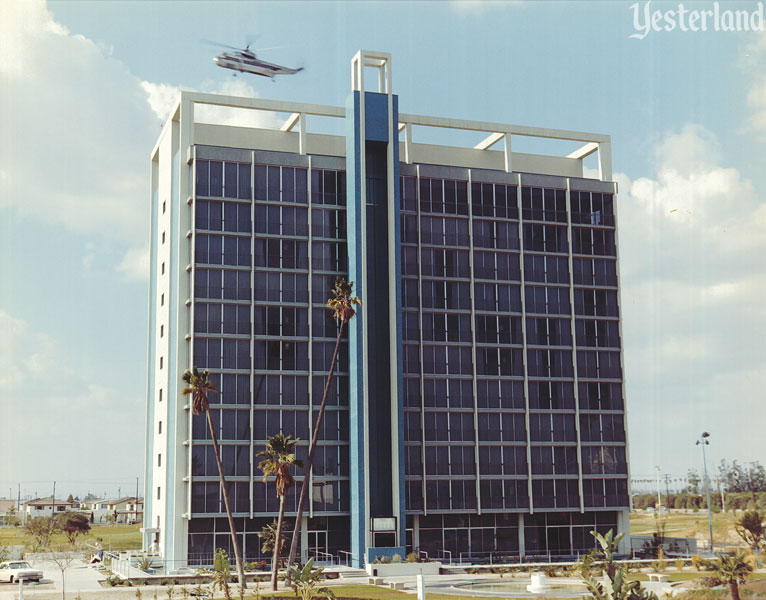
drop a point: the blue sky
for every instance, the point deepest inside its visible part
(86, 85)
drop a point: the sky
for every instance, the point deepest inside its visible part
(86, 86)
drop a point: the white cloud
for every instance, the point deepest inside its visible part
(162, 97)
(755, 68)
(481, 6)
(135, 263)
(692, 238)
(76, 128)
(51, 400)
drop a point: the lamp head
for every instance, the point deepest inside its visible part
(705, 434)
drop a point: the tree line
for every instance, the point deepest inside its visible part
(691, 501)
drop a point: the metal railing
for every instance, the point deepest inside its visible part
(318, 554)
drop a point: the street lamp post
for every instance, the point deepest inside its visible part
(703, 441)
(659, 498)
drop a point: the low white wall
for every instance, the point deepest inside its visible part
(403, 568)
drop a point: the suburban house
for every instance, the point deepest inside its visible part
(130, 509)
(44, 507)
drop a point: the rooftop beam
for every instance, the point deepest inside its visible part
(584, 151)
(489, 141)
(291, 122)
(541, 132)
(262, 104)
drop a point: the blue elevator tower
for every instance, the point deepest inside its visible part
(375, 336)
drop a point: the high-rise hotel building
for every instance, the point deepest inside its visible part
(477, 407)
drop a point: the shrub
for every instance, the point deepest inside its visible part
(397, 558)
(549, 571)
(679, 564)
(412, 557)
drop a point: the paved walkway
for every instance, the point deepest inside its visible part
(84, 580)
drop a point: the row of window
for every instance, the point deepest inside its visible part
(288, 184)
(270, 355)
(501, 329)
(273, 183)
(325, 496)
(329, 461)
(506, 298)
(233, 424)
(500, 201)
(461, 460)
(461, 494)
(279, 219)
(271, 287)
(290, 390)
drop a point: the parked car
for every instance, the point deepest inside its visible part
(15, 570)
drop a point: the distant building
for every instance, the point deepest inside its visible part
(129, 510)
(45, 507)
(477, 409)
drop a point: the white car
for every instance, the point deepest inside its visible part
(15, 570)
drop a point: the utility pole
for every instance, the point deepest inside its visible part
(54, 497)
(659, 498)
(135, 504)
(702, 441)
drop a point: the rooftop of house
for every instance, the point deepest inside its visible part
(48, 500)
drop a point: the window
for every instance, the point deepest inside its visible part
(159, 460)
(163, 237)
(163, 207)
(161, 359)
(158, 493)
(162, 330)
(163, 268)
(160, 394)
(162, 300)
(159, 427)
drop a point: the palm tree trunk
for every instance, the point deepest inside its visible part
(234, 539)
(312, 448)
(277, 539)
(734, 587)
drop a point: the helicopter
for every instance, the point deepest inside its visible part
(244, 60)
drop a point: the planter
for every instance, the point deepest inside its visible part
(403, 568)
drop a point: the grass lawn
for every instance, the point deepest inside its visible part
(688, 524)
(369, 592)
(122, 537)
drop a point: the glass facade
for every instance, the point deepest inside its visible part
(265, 257)
(511, 357)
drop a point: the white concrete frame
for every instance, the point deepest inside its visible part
(305, 141)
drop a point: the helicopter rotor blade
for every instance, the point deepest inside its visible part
(269, 48)
(214, 43)
(250, 39)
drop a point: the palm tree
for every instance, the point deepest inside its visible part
(268, 536)
(341, 303)
(278, 457)
(199, 386)
(609, 545)
(304, 581)
(733, 570)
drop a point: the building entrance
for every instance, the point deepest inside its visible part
(317, 548)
